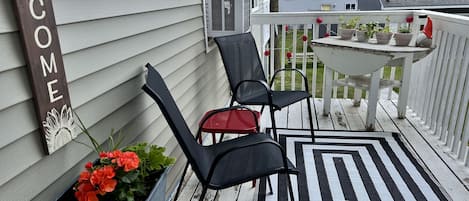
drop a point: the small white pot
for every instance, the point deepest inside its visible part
(346, 34)
(402, 39)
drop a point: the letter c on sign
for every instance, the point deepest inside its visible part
(36, 37)
(31, 10)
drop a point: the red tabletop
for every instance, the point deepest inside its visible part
(231, 121)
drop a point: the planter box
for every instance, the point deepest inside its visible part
(156, 194)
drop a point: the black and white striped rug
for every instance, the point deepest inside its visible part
(353, 166)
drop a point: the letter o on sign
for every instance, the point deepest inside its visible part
(36, 37)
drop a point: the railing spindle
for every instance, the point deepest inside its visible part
(430, 96)
(455, 65)
(305, 51)
(461, 96)
(293, 51)
(449, 69)
(282, 56)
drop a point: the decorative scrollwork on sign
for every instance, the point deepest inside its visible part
(59, 128)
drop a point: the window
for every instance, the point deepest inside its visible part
(326, 7)
(350, 6)
(224, 17)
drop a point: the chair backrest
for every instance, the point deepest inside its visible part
(242, 62)
(157, 89)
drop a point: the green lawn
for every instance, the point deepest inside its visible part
(320, 70)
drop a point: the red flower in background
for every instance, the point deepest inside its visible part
(286, 27)
(326, 34)
(128, 160)
(289, 55)
(409, 19)
(304, 37)
(319, 20)
(267, 53)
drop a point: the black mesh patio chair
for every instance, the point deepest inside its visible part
(224, 164)
(247, 79)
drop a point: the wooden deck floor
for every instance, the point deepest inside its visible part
(346, 117)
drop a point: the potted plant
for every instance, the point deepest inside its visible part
(133, 173)
(383, 34)
(404, 36)
(365, 31)
(348, 27)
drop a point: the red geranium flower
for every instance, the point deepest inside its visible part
(267, 53)
(128, 160)
(103, 179)
(88, 165)
(289, 55)
(103, 155)
(86, 192)
(84, 176)
(319, 20)
(409, 19)
(304, 37)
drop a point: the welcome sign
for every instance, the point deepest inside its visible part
(43, 56)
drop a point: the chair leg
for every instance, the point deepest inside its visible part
(214, 138)
(204, 191)
(310, 119)
(181, 181)
(272, 119)
(270, 185)
(290, 188)
(221, 137)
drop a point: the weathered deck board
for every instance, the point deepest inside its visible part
(354, 118)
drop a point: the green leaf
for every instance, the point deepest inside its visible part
(130, 177)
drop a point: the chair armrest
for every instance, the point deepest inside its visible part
(290, 69)
(259, 82)
(232, 149)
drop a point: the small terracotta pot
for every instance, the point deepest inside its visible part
(362, 36)
(383, 38)
(346, 34)
(402, 39)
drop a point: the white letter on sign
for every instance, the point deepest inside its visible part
(53, 92)
(31, 10)
(48, 68)
(36, 37)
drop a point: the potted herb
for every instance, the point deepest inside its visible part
(365, 31)
(404, 36)
(348, 27)
(134, 173)
(383, 34)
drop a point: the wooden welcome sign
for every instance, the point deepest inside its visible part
(43, 56)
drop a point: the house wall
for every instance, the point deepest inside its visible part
(105, 45)
(311, 5)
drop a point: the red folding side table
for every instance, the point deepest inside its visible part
(236, 120)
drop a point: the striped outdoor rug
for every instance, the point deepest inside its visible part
(353, 166)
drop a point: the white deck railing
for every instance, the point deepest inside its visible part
(440, 84)
(440, 89)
